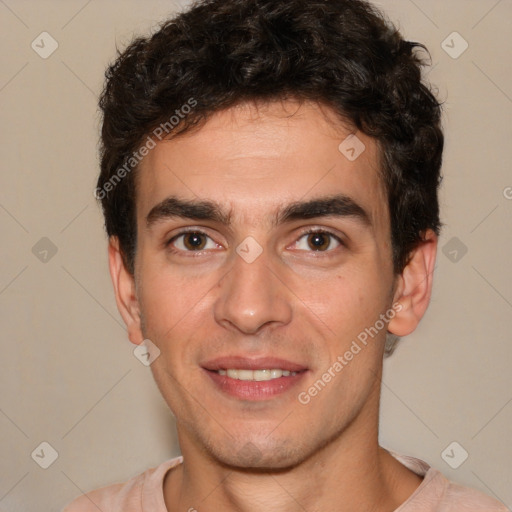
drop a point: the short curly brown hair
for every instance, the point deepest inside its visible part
(341, 53)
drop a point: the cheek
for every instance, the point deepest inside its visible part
(352, 313)
(164, 303)
(347, 301)
(175, 310)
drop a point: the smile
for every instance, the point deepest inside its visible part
(256, 375)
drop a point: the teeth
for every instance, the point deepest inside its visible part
(256, 375)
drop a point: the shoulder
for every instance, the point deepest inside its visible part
(437, 493)
(121, 497)
(470, 500)
(100, 499)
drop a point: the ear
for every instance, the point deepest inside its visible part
(124, 288)
(414, 287)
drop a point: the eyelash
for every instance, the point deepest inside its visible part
(321, 231)
(309, 231)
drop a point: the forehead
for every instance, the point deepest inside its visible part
(253, 159)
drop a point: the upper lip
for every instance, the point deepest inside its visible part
(246, 363)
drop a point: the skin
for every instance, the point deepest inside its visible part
(294, 302)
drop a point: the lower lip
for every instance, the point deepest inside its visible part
(255, 390)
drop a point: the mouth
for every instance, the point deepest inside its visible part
(254, 379)
(256, 375)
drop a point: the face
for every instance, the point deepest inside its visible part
(262, 247)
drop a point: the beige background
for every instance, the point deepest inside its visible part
(67, 372)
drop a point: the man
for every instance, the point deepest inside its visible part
(269, 181)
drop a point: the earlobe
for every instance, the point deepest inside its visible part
(124, 289)
(414, 287)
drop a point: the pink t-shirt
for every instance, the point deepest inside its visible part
(144, 493)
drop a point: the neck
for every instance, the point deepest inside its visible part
(350, 473)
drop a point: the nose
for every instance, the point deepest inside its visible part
(252, 297)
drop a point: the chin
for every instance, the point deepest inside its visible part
(254, 456)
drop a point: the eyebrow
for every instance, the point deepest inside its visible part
(331, 206)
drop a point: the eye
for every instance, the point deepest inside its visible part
(318, 241)
(190, 241)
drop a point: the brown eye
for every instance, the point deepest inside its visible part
(318, 241)
(194, 241)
